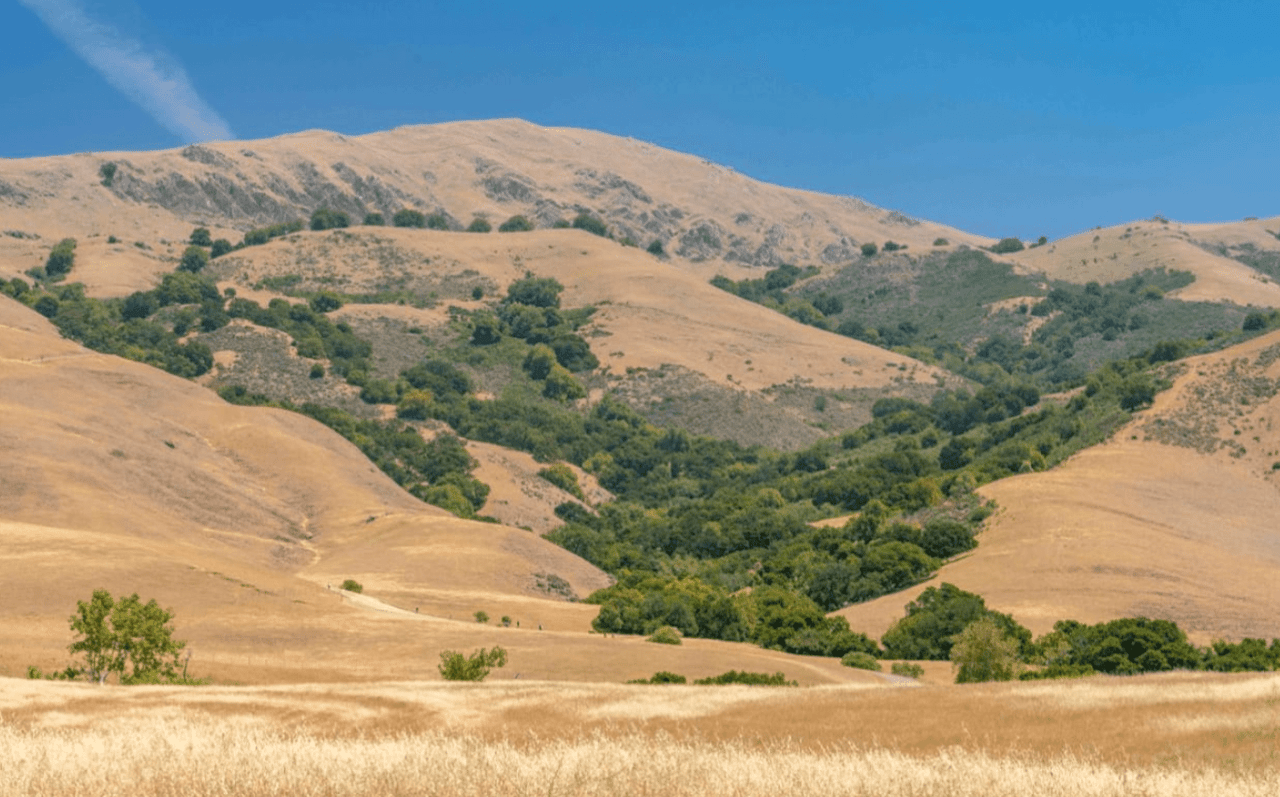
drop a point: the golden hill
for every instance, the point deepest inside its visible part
(1206, 250)
(120, 476)
(1174, 518)
(701, 212)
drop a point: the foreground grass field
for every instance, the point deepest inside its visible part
(1176, 734)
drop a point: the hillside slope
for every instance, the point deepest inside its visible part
(701, 212)
(122, 477)
(1174, 518)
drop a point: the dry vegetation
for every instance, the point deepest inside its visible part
(1168, 735)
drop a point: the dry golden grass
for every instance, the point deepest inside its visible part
(1114, 253)
(1168, 735)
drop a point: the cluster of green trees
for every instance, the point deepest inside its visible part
(730, 678)
(948, 623)
(114, 326)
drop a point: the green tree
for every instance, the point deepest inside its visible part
(220, 247)
(408, 217)
(479, 224)
(869, 249)
(194, 259)
(61, 258)
(374, 220)
(129, 638)
(200, 237)
(1007, 245)
(516, 223)
(326, 219)
(456, 667)
(438, 221)
(655, 248)
(984, 652)
(592, 224)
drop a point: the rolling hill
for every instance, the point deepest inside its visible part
(243, 518)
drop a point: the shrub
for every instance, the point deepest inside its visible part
(200, 237)
(560, 224)
(747, 679)
(984, 652)
(438, 221)
(906, 669)
(661, 677)
(1254, 322)
(940, 242)
(107, 172)
(351, 585)
(61, 258)
(869, 249)
(326, 219)
(590, 223)
(456, 667)
(374, 220)
(516, 223)
(655, 248)
(562, 476)
(1007, 245)
(893, 246)
(194, 259)
(479, 225)
(481, 616)
(317, 371)
(666, 635)
(325, 302)
(220, 247)
(409, 218)
(860, 660)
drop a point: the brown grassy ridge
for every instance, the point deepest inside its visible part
(1179, 734)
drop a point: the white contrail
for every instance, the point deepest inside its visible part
(151, 79)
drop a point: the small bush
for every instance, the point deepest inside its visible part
(438, 221)
(409, 218)
(1007, 245)
(860, 660)
(516, 223)
(906, 669)
(666, 635)
(200, 236)
(194, 259)
(374, 220)
(61, 258)
(482, 616)
(317, 371)
(562, 476)
(747, 679)
(326, 219)
(940, 242)
(220, 247)
(893, 246)
(479, 225)
(869, 249)
(655, 248)
(661, 677)
(456, 667)
(592, 224)
(351, 585)
(107, 172)
(1254, 322)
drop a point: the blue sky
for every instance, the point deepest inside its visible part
(998, 118)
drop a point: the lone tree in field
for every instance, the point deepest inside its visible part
(984, 652)
(129, 638)
(456, 667)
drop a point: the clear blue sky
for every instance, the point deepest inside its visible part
(998, 118)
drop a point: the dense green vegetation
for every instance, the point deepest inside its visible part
(949, 623)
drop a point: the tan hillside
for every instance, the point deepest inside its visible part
(120, 476)
(1206, 250)
(1174, 518)
(702, 212)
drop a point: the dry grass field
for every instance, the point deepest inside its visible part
(1167, 735)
